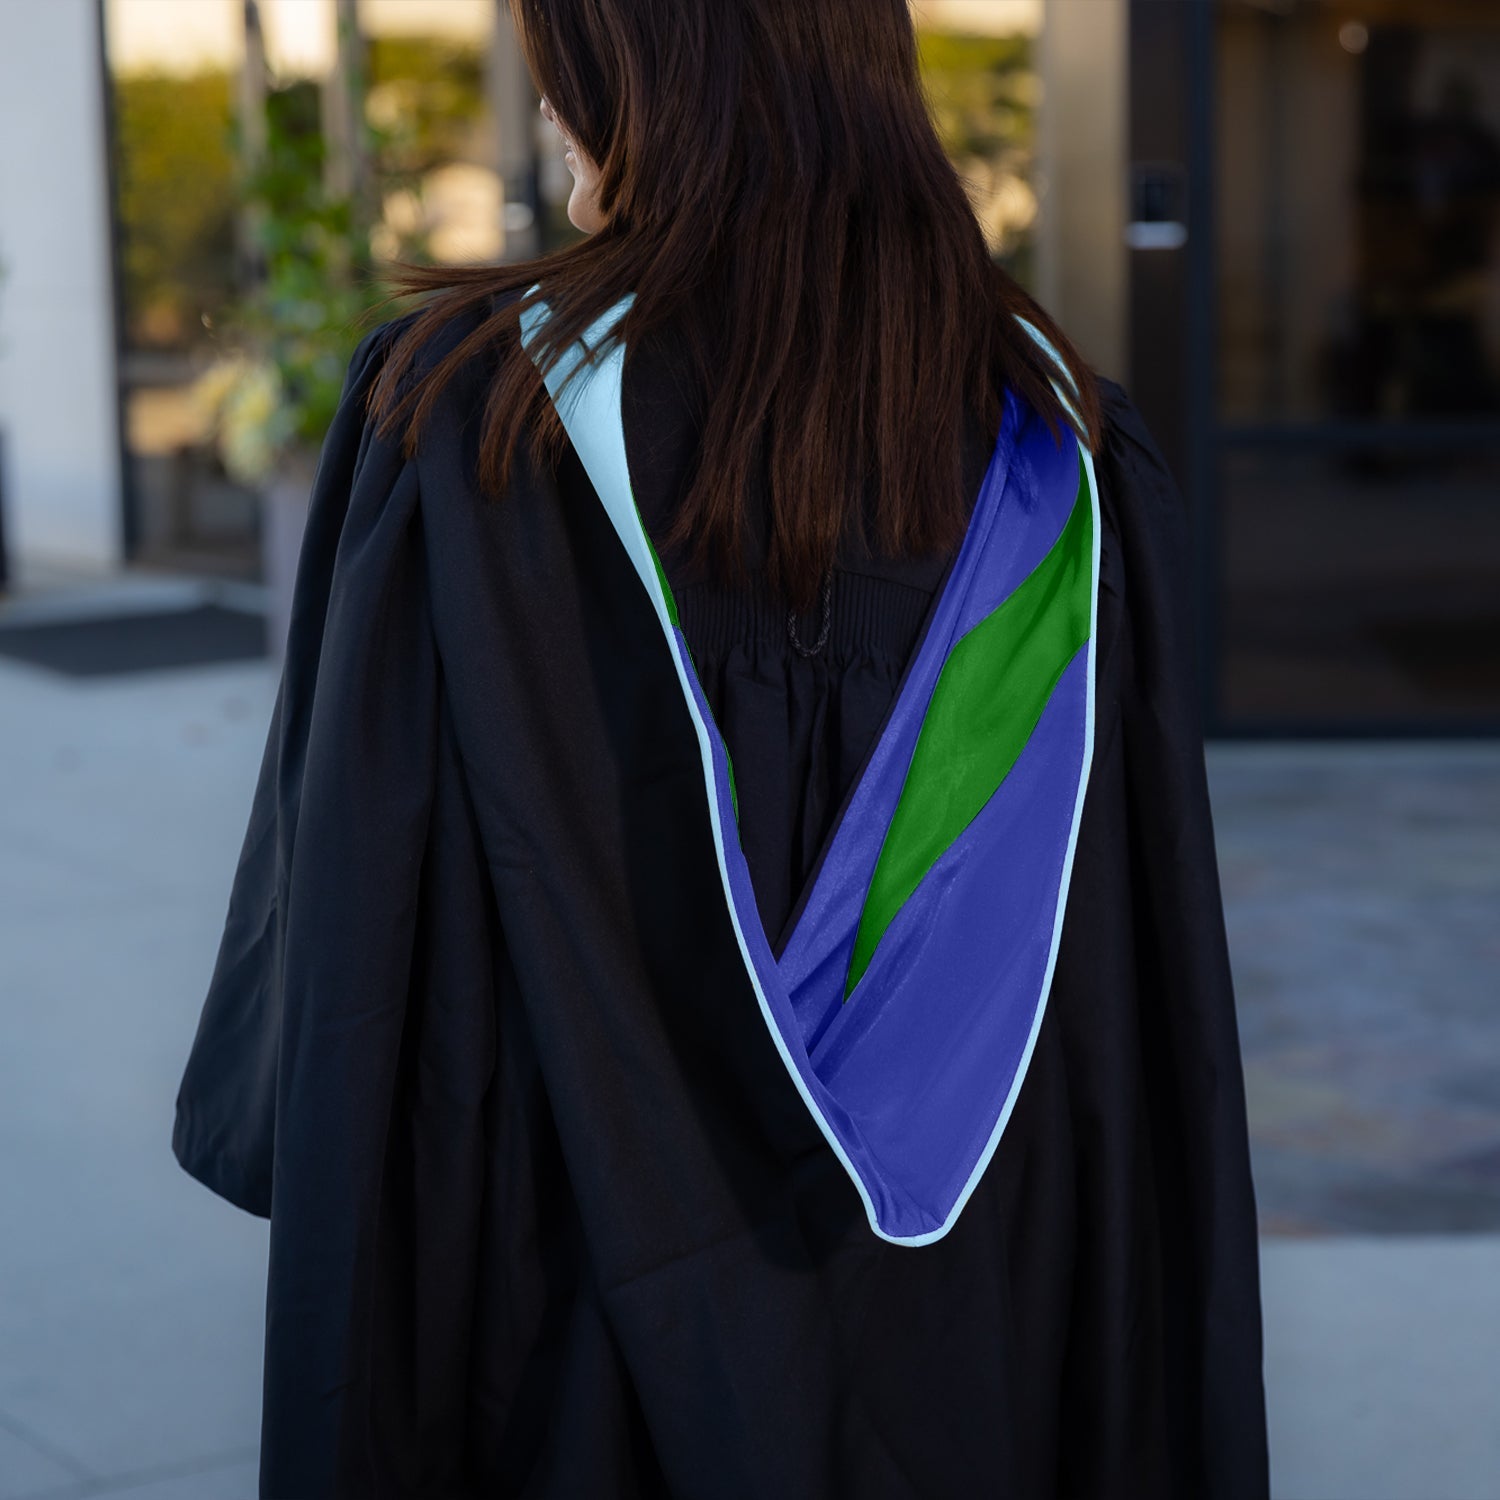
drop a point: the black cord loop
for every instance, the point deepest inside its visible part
(791, 620)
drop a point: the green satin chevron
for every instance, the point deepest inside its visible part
(988, 698)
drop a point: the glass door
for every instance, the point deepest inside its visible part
(1355, 451)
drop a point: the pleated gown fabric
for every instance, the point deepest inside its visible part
(548, 1216)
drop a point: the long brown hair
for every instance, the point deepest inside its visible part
(772, 186)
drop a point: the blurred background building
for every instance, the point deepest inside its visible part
(1276, 222)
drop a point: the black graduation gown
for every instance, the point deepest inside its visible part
(548, 1216)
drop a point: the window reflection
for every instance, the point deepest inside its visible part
(1359, 210)
(1358, 440)
(177, 92)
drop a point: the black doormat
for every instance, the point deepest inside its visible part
(112, 645)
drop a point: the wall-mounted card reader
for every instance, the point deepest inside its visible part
(1158, 206)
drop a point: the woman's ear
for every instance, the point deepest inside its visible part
(583, 201)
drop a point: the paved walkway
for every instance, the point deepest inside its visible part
(131, 1298)
(1362, 892)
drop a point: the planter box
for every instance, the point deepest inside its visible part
(284, 505)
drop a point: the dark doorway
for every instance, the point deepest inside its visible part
(1330, 389)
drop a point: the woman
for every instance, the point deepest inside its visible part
(725, 991)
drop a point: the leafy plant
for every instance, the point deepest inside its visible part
(288, 341)
(983, 93)
(428, 96)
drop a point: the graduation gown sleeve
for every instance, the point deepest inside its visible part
(347, 1038)
(1150, 1052)
(225, 1123)
(1189, 1036)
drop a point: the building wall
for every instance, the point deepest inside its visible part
(1082, 262)
(58, 403)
